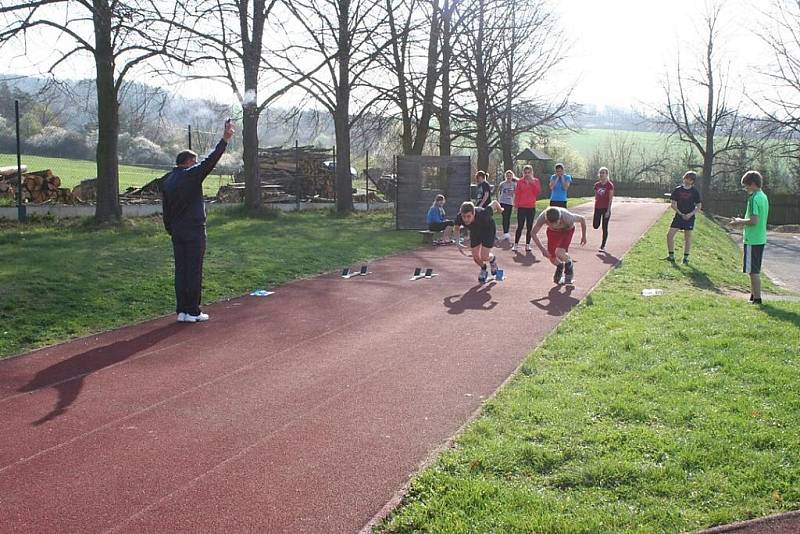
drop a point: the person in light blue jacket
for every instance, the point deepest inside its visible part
(438, 222)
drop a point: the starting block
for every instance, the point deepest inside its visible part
(418, 274)
(347, 273)
(499, 275)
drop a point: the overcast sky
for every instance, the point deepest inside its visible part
(622, 48)
(619, 52)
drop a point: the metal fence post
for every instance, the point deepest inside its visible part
(22, 214)
(297, 174)
(190, 137)
(366, 180)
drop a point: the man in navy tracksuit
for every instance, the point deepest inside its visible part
(185, 220)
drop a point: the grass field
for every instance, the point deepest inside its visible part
(57, 282)
(72, 171)
(661, 414)
(586, 141)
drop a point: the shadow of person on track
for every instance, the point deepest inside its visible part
(477, 298)
(527, 259)
(609, 259)
(67, 376)
(558, 302)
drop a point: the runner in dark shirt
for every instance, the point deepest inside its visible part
(482, 232)
(686, 202)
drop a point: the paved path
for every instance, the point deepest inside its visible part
(781, 257)
(301, 412)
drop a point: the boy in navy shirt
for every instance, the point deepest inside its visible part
(686, 202)
(482, 230)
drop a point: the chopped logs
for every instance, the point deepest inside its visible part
(38, 187)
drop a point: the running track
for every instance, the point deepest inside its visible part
(305, 411)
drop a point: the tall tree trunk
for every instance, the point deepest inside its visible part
(481, 96)
(708, 156)
(445, 141)
(251, 61)
(431, 79)
(108, 208)
(399, 43)
(341, 117)
(252, 177)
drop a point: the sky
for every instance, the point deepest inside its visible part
(618, 51)
(623, 48)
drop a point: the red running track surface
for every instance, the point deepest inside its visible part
(304, 411)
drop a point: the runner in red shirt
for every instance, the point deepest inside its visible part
(528, 189)
(603, 196)
(560, 224)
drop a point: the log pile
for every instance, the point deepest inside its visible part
(37, 187)
(297, 170)
(86, 191)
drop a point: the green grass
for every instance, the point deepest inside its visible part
(59, 282)
(72, 171)
(587, 141)
(660, 414)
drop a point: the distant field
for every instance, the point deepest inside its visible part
(72, 171)
(588, 140)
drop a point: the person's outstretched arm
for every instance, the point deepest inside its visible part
(535, 234)
(200, 171)
(582, 220)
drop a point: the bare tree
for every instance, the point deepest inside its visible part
(698, 108)
(120, 37)
(507, 51)
(782, 105)
(347, 38)
(413, 60)
(229, 46)
(530, 49)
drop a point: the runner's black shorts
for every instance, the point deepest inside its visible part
(483, 236)
(559, 203)
(681, 224)
(753, 254)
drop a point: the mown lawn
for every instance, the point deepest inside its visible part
(62, 281)
(660, 414)
(72, 171)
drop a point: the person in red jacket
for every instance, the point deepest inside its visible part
(528, 189)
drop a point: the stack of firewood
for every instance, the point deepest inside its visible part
(298, 170)
(37, 187)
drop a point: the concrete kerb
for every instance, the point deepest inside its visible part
(397, 499)
(63, 211)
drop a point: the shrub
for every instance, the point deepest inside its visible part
(58, 142)
(141, 150)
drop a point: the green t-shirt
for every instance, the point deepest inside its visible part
(757, 204)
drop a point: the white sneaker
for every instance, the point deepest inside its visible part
(507, 237)
(602, 249)
(197, 318)
(528, 248)
(514, 247)
(185, 318)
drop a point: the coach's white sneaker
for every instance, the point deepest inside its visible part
(197, 318)
(185, 318)
(514, 247)
(528, 248)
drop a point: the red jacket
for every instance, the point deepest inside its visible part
(526, 193)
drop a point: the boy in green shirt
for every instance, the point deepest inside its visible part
(755, 231)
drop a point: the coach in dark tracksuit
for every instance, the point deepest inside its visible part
(185, 220)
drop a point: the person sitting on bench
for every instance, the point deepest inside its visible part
(437, 222)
